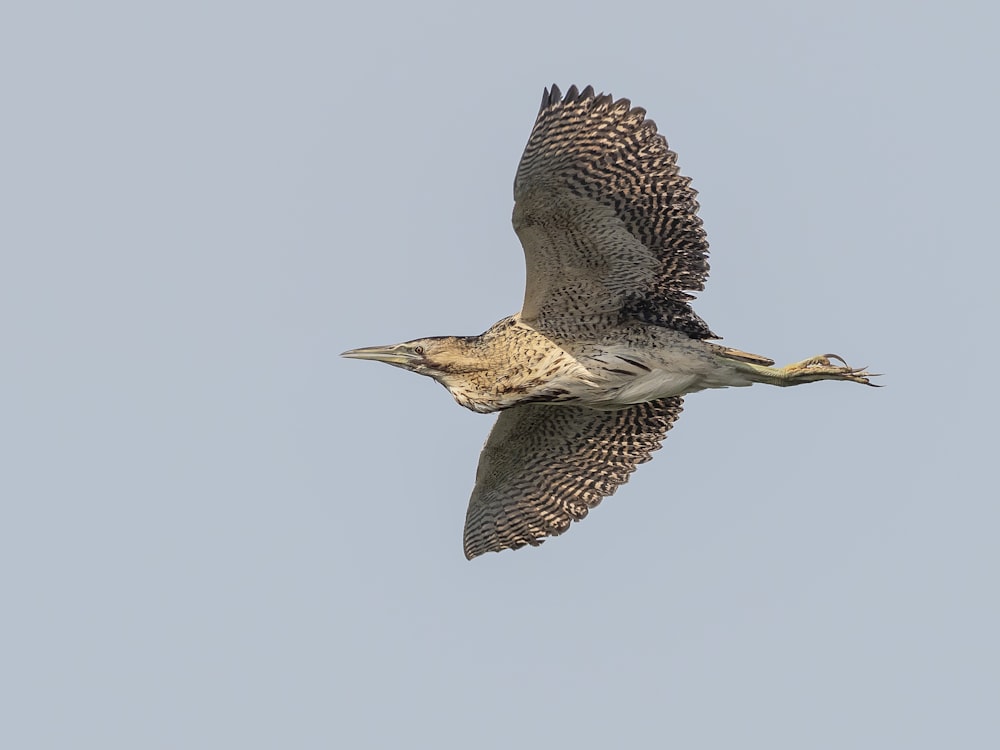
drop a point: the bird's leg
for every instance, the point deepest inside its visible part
(808, 371)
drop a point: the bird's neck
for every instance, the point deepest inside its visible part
(509, 364)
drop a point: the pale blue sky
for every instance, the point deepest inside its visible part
(214, 532)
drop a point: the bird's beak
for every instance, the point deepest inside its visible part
(392, 355)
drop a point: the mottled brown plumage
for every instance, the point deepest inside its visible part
(589, 375)
(596, 172)
(556, 462)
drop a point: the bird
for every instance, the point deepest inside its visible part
(590, 375)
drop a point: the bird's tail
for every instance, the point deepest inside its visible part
(754, 359)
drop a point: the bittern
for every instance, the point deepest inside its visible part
(589, 376)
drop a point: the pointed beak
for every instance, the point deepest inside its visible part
(392, 355)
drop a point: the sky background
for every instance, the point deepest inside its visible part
(214, 532)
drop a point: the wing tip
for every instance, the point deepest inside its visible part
(474, 548)
(553, 97)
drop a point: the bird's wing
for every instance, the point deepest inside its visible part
(609, 227)
(546, 465)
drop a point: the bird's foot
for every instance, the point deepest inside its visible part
(821, 368)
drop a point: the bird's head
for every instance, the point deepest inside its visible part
(440, 357)
(456, 362)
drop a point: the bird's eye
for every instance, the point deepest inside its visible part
(418, 350)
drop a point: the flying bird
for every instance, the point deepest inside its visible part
(589, 376)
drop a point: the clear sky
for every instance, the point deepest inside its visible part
(216, 533)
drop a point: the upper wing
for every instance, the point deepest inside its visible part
(545, 465)
(609, 227)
